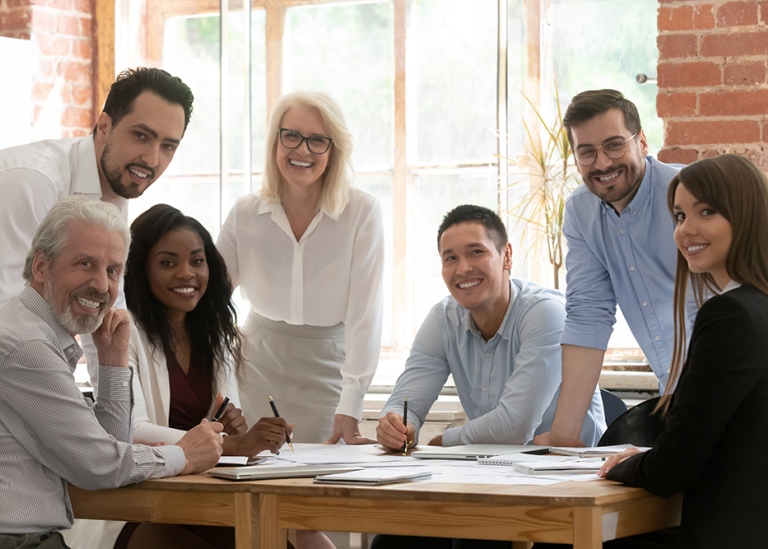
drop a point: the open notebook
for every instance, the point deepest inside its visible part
(266, 472)
(473, 451)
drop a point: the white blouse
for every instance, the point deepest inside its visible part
(333, 274)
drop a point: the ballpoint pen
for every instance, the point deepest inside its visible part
(221, 410)
(405, 422)
(274, 411)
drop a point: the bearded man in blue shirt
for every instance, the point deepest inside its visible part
(620, 251)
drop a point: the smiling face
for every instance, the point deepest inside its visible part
(612, 180)
(136, 151)
(80, 283)
(177, 270)
(300, 168)
(475, 272)
(702, 235)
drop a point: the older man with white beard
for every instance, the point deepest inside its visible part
(49, 434)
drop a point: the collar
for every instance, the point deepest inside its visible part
(732, 285)
(33, 301)
(85, 173)
(502, 331)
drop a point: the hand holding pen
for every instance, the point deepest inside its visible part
(274, 411)
(394, 432)
(229, 416)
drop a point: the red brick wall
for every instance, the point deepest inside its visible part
(713, 78)
(62, 45)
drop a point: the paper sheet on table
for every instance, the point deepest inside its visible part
(342, 454)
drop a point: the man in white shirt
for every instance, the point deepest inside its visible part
(144, 119)
(50, 435)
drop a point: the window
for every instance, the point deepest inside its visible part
(430, 93)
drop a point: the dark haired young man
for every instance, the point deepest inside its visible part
(620, 251)
(135, 138)
(498, 337)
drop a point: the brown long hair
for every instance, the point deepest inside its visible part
(738, 191)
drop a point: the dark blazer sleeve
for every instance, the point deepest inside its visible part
(724, 365)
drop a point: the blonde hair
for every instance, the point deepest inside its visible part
(738, 191)
(337, 178)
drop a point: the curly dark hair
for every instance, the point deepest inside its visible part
(213, 323)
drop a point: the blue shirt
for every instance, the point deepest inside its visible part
(507, 385)
(629, 260)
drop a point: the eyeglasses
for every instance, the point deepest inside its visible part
(291, 139)
(613, 148)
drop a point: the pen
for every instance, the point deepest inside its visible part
(221, 410)
(405, 422)
(274, 411)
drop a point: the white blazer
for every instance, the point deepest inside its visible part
(152, 390)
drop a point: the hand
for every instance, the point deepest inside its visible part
(232, 419)
(111, 338)
(348, 428)
(549, 439)
(392, 434)
(202, 446)
(269, 433)
(613, 461)
(437, 441)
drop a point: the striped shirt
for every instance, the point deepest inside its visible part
(50, 435)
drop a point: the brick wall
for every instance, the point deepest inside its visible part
(713, 79)
(62, 44)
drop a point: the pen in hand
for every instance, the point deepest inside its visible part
(274, 411)
(405, 422)
(221, 410)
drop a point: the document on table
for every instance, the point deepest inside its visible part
(373, 477)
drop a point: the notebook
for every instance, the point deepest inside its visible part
(265, 472)
(597, 451)
(585, 466)
(372, 477)
(473, 451)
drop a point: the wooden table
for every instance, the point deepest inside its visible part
(582, 513)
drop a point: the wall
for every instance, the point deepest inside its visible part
(713, 79)
(61, 36)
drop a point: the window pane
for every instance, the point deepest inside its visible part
(437, 194)
(347, 51)
(516, 67)
(585, 59)
(452, 72)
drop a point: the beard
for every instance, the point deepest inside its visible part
(114, 175)
(83, 324)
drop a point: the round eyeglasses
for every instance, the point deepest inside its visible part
(613, 148)
(291, 139)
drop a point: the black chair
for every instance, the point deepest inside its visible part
(638, 426)
(613, 406)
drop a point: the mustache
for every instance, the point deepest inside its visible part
(143, 167)
(93, 294)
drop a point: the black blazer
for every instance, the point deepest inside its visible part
(715, 444)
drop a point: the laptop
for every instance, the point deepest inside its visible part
(266, 472)
(471, 452)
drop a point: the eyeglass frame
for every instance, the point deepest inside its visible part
(303, 139)
(602, 148)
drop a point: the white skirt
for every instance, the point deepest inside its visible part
(300, 368)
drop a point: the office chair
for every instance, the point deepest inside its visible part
(613, 406)
(638, 426)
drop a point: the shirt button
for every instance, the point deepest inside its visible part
(631, 267)
(669, 369)
(125, 384)
(656, 338)
(622, 231)
(485, 389)
(645, 303)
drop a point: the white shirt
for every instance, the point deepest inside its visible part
(34, 177)
(333, 274)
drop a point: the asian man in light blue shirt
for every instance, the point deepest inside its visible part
(498, 337)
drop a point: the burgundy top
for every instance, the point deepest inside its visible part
(191, 394)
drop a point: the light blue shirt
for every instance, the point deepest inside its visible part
(629, 260)
(508, 385)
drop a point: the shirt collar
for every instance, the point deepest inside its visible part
(33, 301)
(732, 285)
(502, 331)
(85, 172)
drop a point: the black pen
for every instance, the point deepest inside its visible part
(405, 422)
(274, 411)
(221, 410)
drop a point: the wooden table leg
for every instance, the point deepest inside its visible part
(256, 522)
(587, 528)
